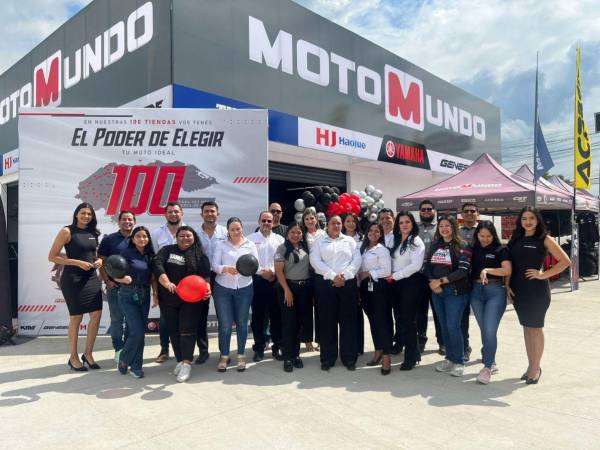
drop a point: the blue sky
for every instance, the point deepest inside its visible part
(486, 47)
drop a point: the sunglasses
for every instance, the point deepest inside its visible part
(266, 221)
(276, 211)
(426, 209)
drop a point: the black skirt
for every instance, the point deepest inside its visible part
(82, 290)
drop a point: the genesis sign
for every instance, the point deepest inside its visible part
(56, 73)
(405, 99)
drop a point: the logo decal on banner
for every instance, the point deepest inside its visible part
(400, 151)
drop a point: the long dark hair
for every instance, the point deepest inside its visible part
(193, 254)
(456, 240)
(366, 242)
(414, 232)
(289, 248)
(148, 249)
(519, 233)
(486, 225)
(92, 227)
(356, 221)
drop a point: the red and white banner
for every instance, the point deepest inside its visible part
(134, 159)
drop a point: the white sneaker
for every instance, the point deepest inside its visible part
(184, 373)
(457, 370)
(444, 366)
(484, 376)
(177, 368)
(495, 369)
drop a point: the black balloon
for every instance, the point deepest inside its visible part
(309, 198)
(247, 265)
(336, 190)
(327, 190)
(116, 266)
(317, 191)
(326, 198)
(335, 198)
(319, 207)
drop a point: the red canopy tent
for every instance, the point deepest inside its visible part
(491, 186)
(585, 201)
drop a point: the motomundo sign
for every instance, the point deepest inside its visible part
(270, 54)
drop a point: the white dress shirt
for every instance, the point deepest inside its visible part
(410, 262)
(227, 254)
(389, 239)
(377, 261)
(266, 247)
(330, 257)
(162, 236)
(314, 237)
(208, 242)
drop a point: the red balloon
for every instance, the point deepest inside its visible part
(192, 288)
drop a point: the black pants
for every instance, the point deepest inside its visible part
(337, 306)
(408, 293)
(360, 325)
(202, 332)
(182, 323)
(464, 323)
(378, 308)
(423, 314)
(265, 306)
(307, 323)
(292, 317)
(396, 323)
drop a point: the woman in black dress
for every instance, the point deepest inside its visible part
(529, 287)
(79, 282)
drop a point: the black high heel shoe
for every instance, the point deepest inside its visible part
(386, 370)
(532, 381)
(93, 366)
(76, 369)
(375, 362)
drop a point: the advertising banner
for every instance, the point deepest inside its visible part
(582, 145)
(135, 159)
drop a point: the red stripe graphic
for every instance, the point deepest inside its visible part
(251, 180)
(36, 308)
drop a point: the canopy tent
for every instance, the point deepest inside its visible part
(587, 201)
(491, 186)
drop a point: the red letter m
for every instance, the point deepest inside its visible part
(403, 98)
(46, 81)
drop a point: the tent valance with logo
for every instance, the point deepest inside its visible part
(491, 186)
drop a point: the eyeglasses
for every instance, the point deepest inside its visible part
(470, 211)
(276, 211)
(426, 209)
(266, 221)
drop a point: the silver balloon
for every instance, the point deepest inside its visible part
(321, 217)
(369, 200)
(299, 205)
(367, 213)
(298, 217)
(369, 189)
(374, 209)
(380, 203)
(372, 217)
(362, 194)
(355, 193)
(363, 203)
(377, 194)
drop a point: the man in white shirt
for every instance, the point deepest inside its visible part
(161, 236)
(210, 232)
(386, 220)
(264, 303)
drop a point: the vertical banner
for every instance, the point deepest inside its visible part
(134, 159)
(582, 145)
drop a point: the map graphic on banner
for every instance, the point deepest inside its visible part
(133, 159)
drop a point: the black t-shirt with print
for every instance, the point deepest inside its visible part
(489, 257)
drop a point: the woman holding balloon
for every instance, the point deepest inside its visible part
(134, 298)
(172, 264)
(234, 261)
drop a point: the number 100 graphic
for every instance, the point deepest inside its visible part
(140, 189)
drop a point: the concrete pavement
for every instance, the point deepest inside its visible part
(43, 405)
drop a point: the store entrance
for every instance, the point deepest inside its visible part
(288, 181)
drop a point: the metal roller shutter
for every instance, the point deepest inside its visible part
(304, 174)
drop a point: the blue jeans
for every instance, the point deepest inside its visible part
(232, 305)
(118, 334)
(450, 308)
(488, 303)
(136, 315)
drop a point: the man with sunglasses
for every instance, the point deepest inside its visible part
(427, 227)
(264, 304)
(277, 212)
(470, 216)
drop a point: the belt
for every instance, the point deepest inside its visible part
(489, 281)
(298, 282)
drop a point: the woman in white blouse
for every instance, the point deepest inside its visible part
(407, 259)
(336, 260)
(232, 292)
(375, 268)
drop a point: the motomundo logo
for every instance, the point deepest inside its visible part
(330, 138)
(406, 103)
(54, 74)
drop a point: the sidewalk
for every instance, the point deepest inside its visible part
(43, 405)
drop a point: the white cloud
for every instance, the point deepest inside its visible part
(26, 23)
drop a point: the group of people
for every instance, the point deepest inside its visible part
(312, 285)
